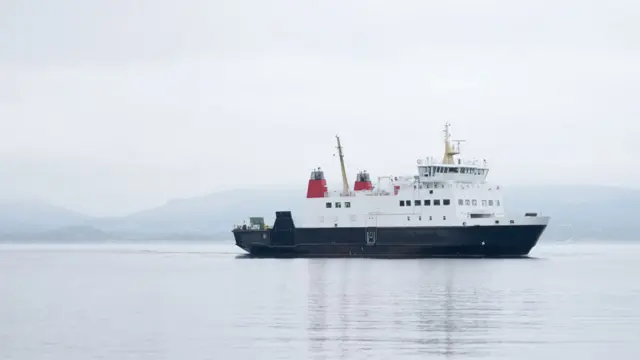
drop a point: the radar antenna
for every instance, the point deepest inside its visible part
(456, 147)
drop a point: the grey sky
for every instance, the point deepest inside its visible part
(108, 107)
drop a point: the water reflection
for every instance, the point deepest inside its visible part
(344, 311)
(316, 303)
(366, 309)
(579, 302)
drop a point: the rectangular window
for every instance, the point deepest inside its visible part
(427, 203)
(347, 204)
(474, 202)
(497, 202)
(408, 202)
(418, 203)
(436, 202)
(460, 202)
(328, 205)
(490, 202)
(484, 202)
(338, 205)
(467, 202)
(401, 202)
(446, 202)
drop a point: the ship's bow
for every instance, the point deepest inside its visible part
(517, 238)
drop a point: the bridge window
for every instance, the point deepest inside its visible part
(427, 202)
(338, 205)
(401, 202)
(446, 202)
(328, 205)
(347, 204)
(474, 202)
(436, 202)
(417, 203)
(460, 202)
(490, 202)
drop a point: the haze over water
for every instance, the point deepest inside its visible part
(195, 301)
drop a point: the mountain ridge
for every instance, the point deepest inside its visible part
(36, 215)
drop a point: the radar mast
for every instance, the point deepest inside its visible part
(449, 151)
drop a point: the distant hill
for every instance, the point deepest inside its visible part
(28, 216)
(206, 214)
(578, 212)
(63, 234)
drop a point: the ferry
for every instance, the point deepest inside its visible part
(446, 209)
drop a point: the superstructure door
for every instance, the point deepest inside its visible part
(371, 230)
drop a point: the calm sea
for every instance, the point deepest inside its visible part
(195, 301)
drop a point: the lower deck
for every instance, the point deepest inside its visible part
(392, 242)
(285, 239)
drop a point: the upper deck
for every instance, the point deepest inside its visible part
(431, 173)
(467, 171)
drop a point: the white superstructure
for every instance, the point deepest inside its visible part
(444, 192)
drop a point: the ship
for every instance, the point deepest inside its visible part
(446, 209)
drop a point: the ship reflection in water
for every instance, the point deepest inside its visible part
(362, 309)
(155, 302)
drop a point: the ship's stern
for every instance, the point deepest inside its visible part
(250, 240)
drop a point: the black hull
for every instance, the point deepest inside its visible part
(387, 242)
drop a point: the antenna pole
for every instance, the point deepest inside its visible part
(345, 184)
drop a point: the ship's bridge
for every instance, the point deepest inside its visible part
(461, 170)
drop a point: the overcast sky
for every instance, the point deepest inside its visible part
(110, 106)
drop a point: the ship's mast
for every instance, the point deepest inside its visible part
(345, 184)
(449, 151)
